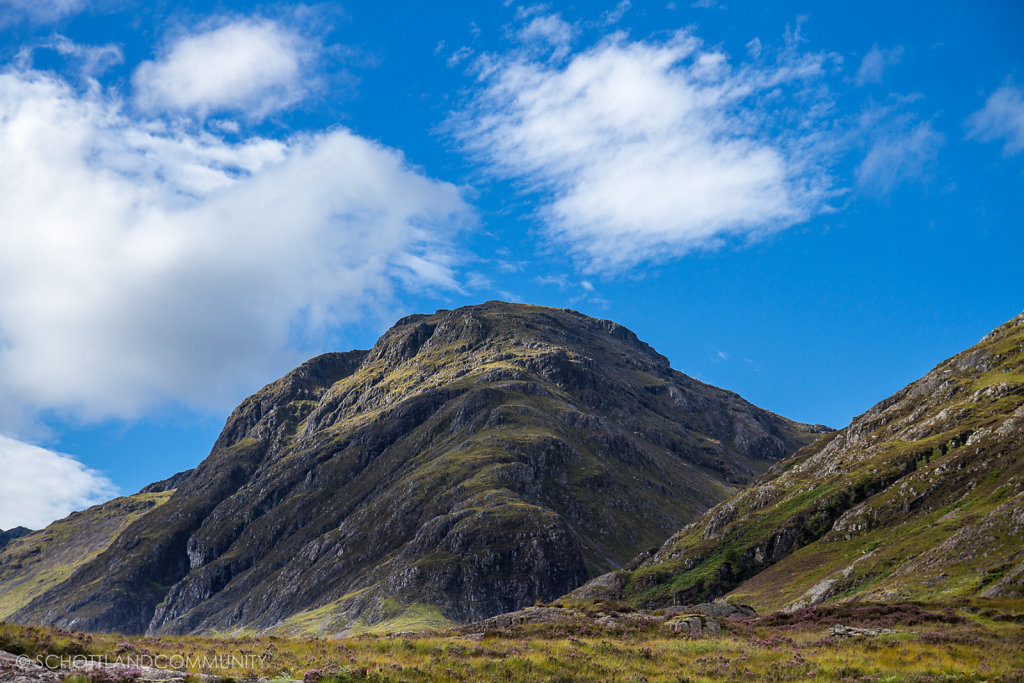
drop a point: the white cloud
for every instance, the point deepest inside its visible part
(614, 16)
(549, 30)
(41, 11)
(476, 280)
(38, 486)
(647, 151)
(140, 262)
(754, 47)
(561, 280)
(252, 66)
(873, 65)
(460, 55)
(92, 60)
(898, 156)
(1002, 118)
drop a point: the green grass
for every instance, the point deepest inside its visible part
(973, 641)
(414, 618)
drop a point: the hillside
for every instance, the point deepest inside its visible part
(472, 462)
(919, 498)
(37, 561)
(9, 535)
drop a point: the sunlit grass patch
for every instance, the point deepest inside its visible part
(975, 640)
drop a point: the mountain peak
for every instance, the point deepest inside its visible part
(497, 327)
(471, 462)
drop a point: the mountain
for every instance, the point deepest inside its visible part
(919, 498)
(12, 535)
(38, 561)
(472, 462)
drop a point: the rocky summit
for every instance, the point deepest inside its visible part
(471, 463)
(919, 498)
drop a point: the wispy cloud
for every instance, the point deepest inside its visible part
(873, 66)
(1002, 118)
(92, 60)
(649, 150)
(142, 262)
(38, 486)
(459, 56)
(614, 16)
(902, 149)
(253, 66)
(477, 280)
(549, 31)
(39, 11)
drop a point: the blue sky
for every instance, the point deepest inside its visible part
(807, 203)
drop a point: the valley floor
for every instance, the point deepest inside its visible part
(978, 641)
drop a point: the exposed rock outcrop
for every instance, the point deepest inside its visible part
(704, 619)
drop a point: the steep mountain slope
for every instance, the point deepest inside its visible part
(6, 537)
(470, 463)
(921, 497)
(40, 560)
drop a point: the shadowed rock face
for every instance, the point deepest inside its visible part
(12, 535)
(38, 561)
(921, 497)
(472, 462)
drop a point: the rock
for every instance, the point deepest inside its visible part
(1010, 585)
(816, 595)
(16, 669)
(720, 517)
(124, 673)
(703, 619)
(530, 615)
(720, 609)
(840, 631)
(20, 669)
(605, 587)
(694, 625)
(172, 482)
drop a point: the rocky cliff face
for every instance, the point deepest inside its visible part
(472, 462)
(921, 497)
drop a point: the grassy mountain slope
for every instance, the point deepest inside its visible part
(41, 560)
(470, 463)
(921, 497)
(10, 535)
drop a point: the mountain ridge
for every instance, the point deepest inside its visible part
(472, 462)
(921, 496)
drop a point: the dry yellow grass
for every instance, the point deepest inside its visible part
(977, 642)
